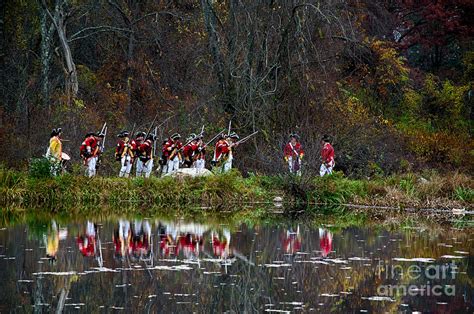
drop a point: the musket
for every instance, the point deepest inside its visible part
(188, 142)
(212, 139)
(128, 143)
(243, 140)
(102, 144)
(230, 124)
(154, 142)
(151, 126)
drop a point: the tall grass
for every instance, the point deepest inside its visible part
(419, 190)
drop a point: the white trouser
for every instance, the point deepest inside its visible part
(139, 170)
(325, 169)
(199, 164)
(291, 167)
(137, 226)
(227, 164)
(90, 230)
(164, 168)
(126, 162)
(147, 168)
(147, 228)
(124, 228)
(91, 166)
(173, 164)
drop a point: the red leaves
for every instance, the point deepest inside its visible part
(432, 23)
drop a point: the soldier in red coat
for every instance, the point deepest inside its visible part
(190, 150)
(145, 158)
(90, 151)
(223, 153)
(172, 152)
(139, 139)
(327, 156)
(200, 156)
(293, 153)
(124, 154)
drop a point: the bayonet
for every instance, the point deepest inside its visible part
(243, 140)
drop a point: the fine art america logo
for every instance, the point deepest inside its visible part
(416, 280)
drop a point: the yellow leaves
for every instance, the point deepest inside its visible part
(390, 69)
(79, 103)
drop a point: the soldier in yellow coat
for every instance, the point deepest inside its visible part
(55, 151)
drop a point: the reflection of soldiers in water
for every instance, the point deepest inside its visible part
(181, 237)
(191, 245)
(141, 240)
(292, 241)
(168, 245)
(325, 242)
(52, 241)
(121, 238)
(87, 242)
(221, 244)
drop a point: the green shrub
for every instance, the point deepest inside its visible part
(40, 168)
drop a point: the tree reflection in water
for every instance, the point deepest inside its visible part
(178, 266)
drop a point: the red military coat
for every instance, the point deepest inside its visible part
(89, 145)
(190, 150)
(86, 248)
(136, 145)
(120, 149)
(146, 149)
(327, 154)
(222, 149)
(171, 148)
(293, 151)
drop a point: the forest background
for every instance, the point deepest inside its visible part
(392, 82)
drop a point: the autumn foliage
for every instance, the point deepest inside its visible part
(390, 81)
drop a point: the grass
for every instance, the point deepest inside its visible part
(428, 189)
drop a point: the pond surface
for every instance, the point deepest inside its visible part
(140, 265)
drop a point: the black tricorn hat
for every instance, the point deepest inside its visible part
(326, 138)
(294, 135)
(234, 135)
(191, 137)
(55, 132)
(140, 133)
(175, 136)
(151, 137)
(123, 134)
(90, 134)
(99, 134)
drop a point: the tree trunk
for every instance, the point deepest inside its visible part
(210, 22)
(47, 30)
(131, 39)
(72, 84)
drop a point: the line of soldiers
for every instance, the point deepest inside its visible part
(141, 149)
(174, 153)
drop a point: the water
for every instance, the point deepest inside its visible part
(183, 266)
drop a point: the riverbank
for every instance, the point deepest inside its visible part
(428, 190)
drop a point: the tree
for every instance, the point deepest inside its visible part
(62, 11)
